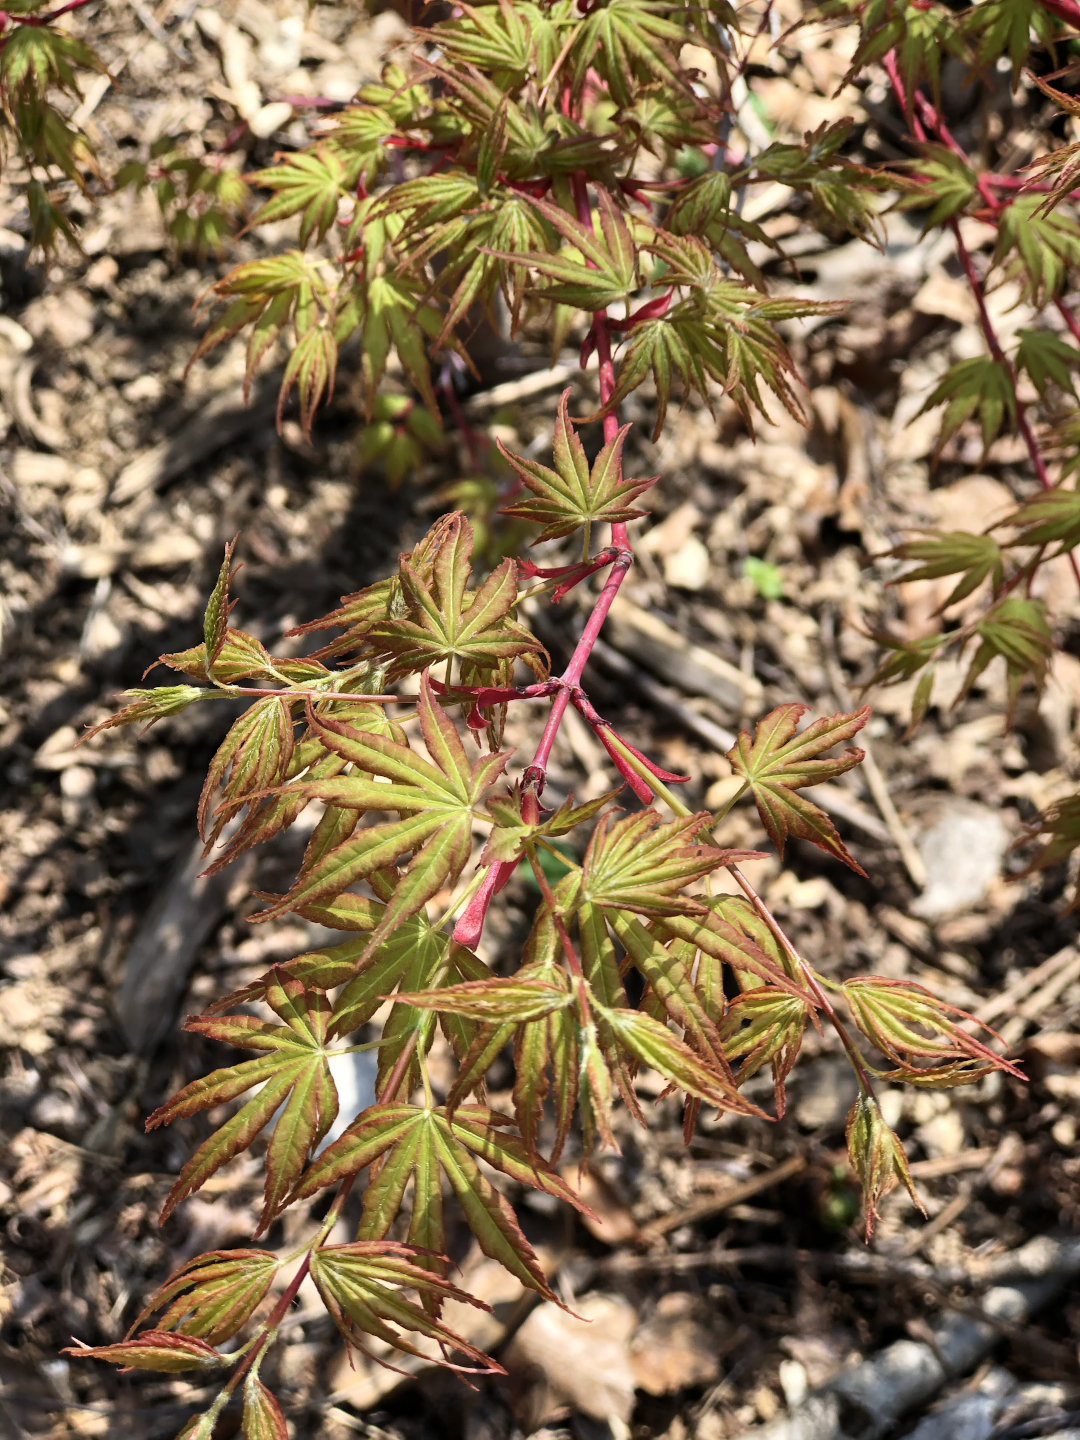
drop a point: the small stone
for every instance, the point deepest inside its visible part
(688, 567)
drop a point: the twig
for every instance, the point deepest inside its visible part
(160, 34)
(713, 1204)
(875, 780)
(963, 1198)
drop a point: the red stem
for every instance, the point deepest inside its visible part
(1069, 318)
(1066, 10)
(43, 19)
(471, 923)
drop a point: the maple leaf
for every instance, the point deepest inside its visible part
(511, 835)
(628, 41)
(213, 1295)
(419, 1143)
(436, 801)
(1060, 823)
(607, 269)
(1044, 247)
(877, 1157)
(944, 185)
(886, 1012)
(293, 1073)
(574, 494)
(256, 753)
(445, 621)
(979, 386)
(919, 34)
(1004, 27)
(974, 558)
(496, 38)
(779, 763)
(156, 1350)
(1046, 359)
(263, 1417)
(643, 864)
(361, 1283)
(310, 184)
(1017, 631)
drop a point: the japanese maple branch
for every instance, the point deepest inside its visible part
(469, 927)
(974, 283)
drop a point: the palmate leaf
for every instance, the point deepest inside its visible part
(309, 183)
(266, 295)
(214, 1295)
(1060, 824)
(511, 834)
(156, 1350)
(780, 762)
(944, 184)
(1047, 360)
(607, 269)
(629, 41)
(256, 753)
(1004, 27)
(361, 1284)
(1038, 248)
(1017, 631)
(445, 621)
(974, 558)
(643, 865)
(1050, 518)
(413, 954)
(981, 386)
(35, 57)
(920, 35)
(877, 1157)
(765, 1026)
(436, 801)
(422, 1144)
(574, 494)
(293, 1072)
(887, 1010)
(359, 611)
(497, 38)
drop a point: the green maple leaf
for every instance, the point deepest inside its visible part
(1049, 518)
(944, 184)
(629, 41)
(263, 1417)
(974, 558)
(1017, 631)
(293, 1072)
(422, 1144)
(1060, 823)
(1045, 247)
(257, 753)
(436, 801)
(643, 865)
(1004, 27)
(361, 1283)
(920, 34)
(574, 494)
(607, 269)
(980, 386)
(491, 37)
(511, 837)
(779, 763)
(1047, 359)
(445, 621)
(310, 184)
